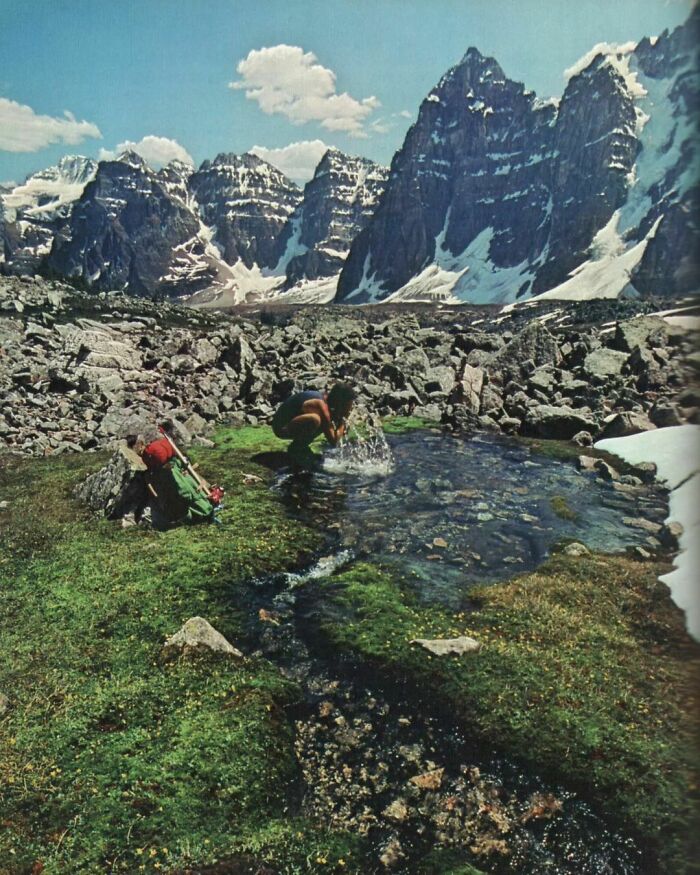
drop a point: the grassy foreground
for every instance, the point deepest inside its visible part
(113, 761)
(110, 760)
(586, 672)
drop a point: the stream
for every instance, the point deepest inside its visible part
(447, 513)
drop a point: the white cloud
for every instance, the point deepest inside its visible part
(286, 80)
(298, 161)
(406, 114)
(155, 151)
(22, 130)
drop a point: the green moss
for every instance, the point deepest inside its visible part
(446, 861)
(403, 424)
(109, 759)
(562, 508)
(586, 673)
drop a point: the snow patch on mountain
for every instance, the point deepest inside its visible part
(49, 189)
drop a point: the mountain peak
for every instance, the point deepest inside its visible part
(132, 159)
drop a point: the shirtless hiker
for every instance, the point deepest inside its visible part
(305, 415)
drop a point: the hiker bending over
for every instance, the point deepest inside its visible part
(177, 499)
(306, 415)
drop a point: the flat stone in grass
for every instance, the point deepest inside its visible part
(445, 646)
(196, 636)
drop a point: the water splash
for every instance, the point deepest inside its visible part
(324, 567)
(364, 452)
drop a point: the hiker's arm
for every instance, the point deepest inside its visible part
(332, 433)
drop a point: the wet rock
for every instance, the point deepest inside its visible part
(445, 646)
(396, 811)
(392, 854)
(197, 635)
(431, 780)
(583, 439)
(542, 806)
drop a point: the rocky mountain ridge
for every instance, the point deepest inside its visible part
(236, 229)
(497, 196)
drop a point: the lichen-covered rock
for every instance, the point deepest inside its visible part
(603, 362)
(642, 331)
(471, 383)
(116, 488)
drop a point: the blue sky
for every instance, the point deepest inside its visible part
(352, 75)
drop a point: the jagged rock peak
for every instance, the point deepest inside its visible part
(476, 69)
(73, 168)
(131, 159)
(248, 160)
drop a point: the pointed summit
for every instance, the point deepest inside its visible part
(132, 159)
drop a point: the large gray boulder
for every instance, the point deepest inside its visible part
(603, 363)
(115, 489)
(471, 383)
(643, 331)
(625, 424)
(534, 344)
(560, 423)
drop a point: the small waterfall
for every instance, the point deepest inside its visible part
(363, 450)
(324, 567)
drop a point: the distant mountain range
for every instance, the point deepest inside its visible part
(495, 196)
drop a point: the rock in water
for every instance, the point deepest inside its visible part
(115, 489)
(431, 780)
(444, 646)
(198, 635)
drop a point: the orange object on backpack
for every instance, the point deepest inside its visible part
(157, 453)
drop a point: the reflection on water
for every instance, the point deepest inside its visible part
(450, 512)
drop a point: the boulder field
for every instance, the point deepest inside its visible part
(78, 371)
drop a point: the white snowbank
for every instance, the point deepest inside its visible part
(613, 49)
(607, 272)
(676, 454)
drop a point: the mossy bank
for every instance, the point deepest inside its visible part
(585, 673)
(112, 760)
